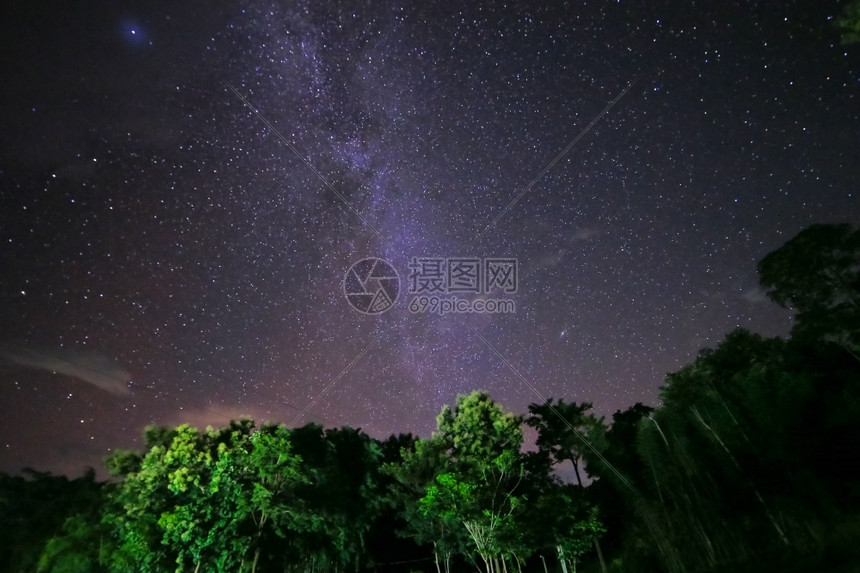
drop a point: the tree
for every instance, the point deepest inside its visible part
(342, 497)
(562, 430)
(176, 508)
(563, 521)
(618, 501)
(391, 539)
(818, 273)
(33, 509)
(275, 474)
(76, 549)
(848, 22)
(414, 473)
(202, 499)
(483, 473)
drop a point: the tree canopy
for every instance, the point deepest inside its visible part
(749, 463)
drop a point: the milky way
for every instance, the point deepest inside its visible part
(184, 190)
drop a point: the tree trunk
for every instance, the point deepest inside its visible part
(436, 557)
(576, 470)
(256, 558)
(600, 555)
(561, 559)
(545, 570)
(259, 535)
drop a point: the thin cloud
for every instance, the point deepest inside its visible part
(755, 295)
(584, 233)
(553, 258)
(88, 366)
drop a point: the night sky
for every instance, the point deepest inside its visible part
(184, 185)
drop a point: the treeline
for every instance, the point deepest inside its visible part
(751, 463)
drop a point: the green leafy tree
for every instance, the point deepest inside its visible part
(209, 500)
(740, 451)
(483, 474)
(343, 495)
(712, 448)
(618, 500)
(158, 513)
(123, 462)
(848, 22)
(76, 549)
(564, 521)
(818, 273)
(414, 473)
(33, 509)
(563, 431)
(390, 539)
(270, 499)
(568, 432)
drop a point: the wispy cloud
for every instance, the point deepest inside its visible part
(755, 295)
(584, 233)
(86, 365)
(554, 257)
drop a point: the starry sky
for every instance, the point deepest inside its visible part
(184, 186)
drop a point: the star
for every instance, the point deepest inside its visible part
(183, 206)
